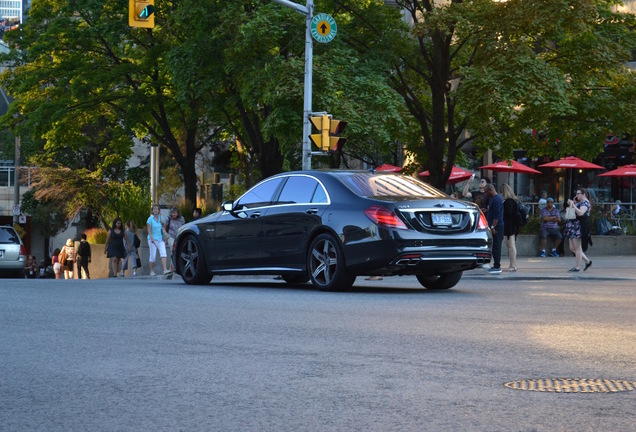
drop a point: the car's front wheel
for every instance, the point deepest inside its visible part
(326, 264)
(191, 262)
(440, 282)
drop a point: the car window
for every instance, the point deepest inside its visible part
(302, 190)
(260, 195)
(392, 185)
(8, 236)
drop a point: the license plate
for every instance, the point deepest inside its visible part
(441, 219)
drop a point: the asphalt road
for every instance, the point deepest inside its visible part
(157, 355)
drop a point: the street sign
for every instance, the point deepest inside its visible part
(323, 28)
(16, 210)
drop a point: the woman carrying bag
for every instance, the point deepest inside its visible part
(578, 228)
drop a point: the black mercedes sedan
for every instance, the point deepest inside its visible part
(329, 226)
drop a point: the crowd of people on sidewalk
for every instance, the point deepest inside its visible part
(121, 248)
(502, 210)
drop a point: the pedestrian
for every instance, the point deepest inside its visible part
(511, 218)
(196, 214)
(173, 223)
(115, 247)
(31, 270)
(156, 242)
(83, 258)
(67, 258)
(131, 249)
(495, 219)
(479, 197)
(549, 227)
(57, 267)
(576, 229)
(543, 202)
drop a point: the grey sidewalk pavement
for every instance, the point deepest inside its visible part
(606, 267)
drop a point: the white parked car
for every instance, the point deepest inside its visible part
(12, 252)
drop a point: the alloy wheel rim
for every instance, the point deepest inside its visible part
(324, 261)
(189, 259)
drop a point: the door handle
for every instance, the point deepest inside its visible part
(255, 214)
(312, 211)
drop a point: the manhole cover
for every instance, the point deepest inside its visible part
(573, 385)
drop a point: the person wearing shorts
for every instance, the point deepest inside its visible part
(154, 225)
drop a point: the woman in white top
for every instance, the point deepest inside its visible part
(154, 225)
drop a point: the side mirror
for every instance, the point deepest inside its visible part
(228, 205)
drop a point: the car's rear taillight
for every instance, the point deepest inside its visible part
(22, 250)
(384, 217)
(483, 223)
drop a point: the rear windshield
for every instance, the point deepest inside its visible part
(8, 236)
(371, 185)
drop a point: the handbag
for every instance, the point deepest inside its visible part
(164, 234)
(570, 213)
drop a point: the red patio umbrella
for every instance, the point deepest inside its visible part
(571, 162)
(388, 167)
(510, 166)
(624, 171)
(457, 174)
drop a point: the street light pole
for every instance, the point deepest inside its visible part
(308, 11)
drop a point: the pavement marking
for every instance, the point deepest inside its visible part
(573, 385)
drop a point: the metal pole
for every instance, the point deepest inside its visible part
(154, 172)
(309, 65)
(308, 11)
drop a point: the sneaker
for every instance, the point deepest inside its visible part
(574, 270)
(121, 274)
(152, 274)
(167, 272)
(134, 273)
(554, 253)
(542, 254)
(588, 265)
(494, 270)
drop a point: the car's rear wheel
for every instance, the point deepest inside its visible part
(326, 264)
(296, 279)
(191, 262)
(440, 282)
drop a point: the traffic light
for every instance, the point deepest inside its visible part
(141, 13)
(336, 142)
(328, 140)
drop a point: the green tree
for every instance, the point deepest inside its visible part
(486, 72)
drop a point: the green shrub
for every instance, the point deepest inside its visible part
(96, 235)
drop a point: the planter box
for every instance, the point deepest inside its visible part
(529, 245)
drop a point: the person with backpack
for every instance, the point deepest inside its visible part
(550, 219)
(131, 249)
(511, 217)
(83, 257)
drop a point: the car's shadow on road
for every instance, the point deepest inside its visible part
(384, 287)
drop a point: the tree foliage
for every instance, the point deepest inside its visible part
(488, 72)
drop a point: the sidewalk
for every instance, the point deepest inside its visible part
(532, 268)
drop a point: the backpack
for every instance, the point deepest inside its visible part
(137, 241)
(523, 214)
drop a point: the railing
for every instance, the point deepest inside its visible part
(7, 176)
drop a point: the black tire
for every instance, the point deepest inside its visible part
(296, 279)
(191, 263)
(326, 264)
(440, 282)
